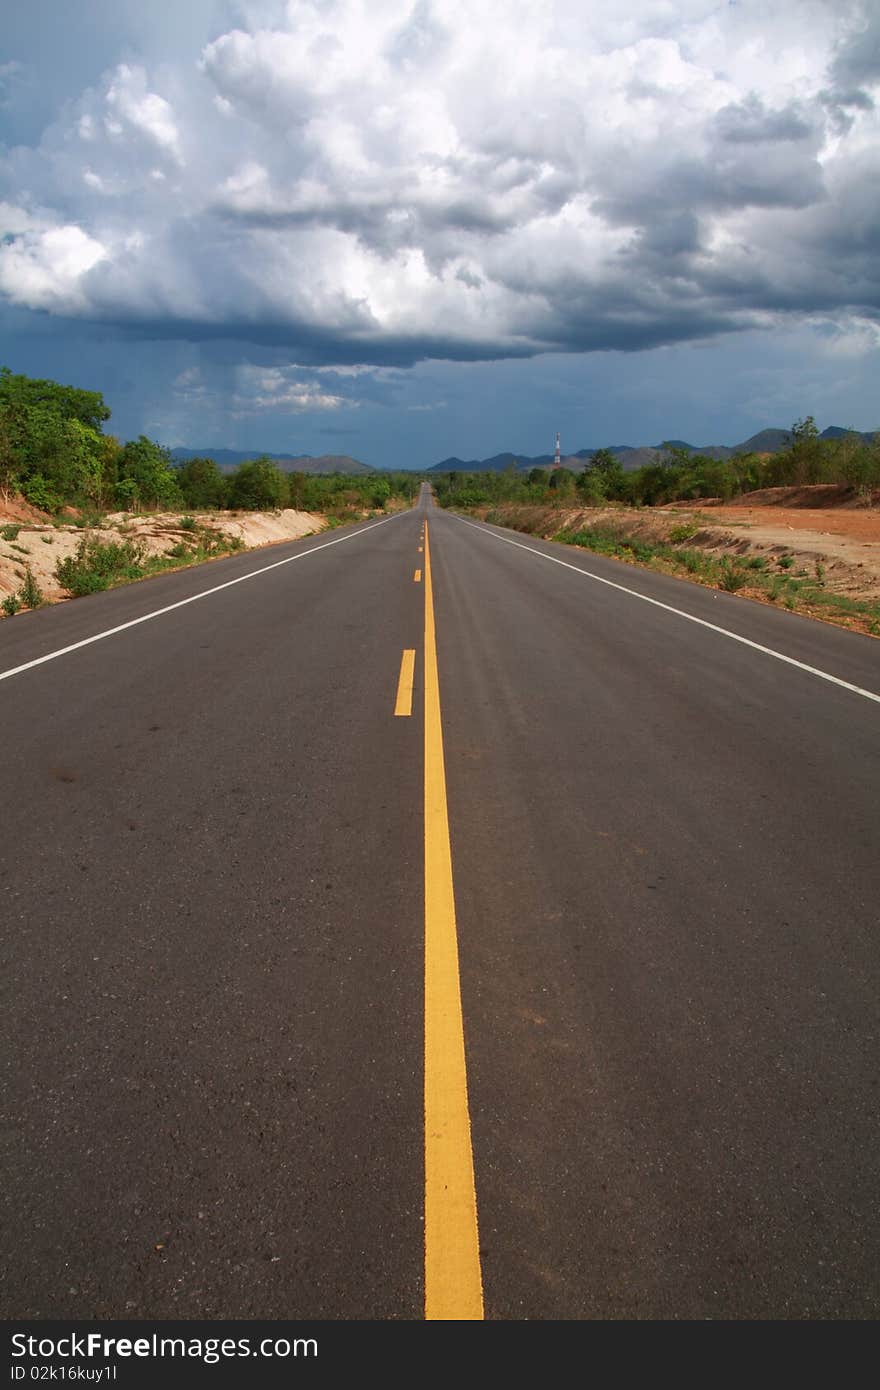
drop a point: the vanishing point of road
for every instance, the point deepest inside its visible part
(428, 920)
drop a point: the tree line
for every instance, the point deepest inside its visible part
(54, 452)
(678, 475)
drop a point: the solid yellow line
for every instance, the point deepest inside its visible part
(417, 577)
(453, 1282)
(405, 682)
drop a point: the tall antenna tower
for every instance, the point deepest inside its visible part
(557, 457)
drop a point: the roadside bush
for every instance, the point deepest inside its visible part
(731, 578)
(96, 565)
(30, 592)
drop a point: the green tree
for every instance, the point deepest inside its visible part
(147, 466)
(673, 456)
(79, 470)
(23, 396)
(297, 488)
(609, 469)
(110, 450)
(49, 430)
(201, 484)
(380, 491)
(258, 485)
(10, 468)
(590, 485)
(805, 454)
(562, 482)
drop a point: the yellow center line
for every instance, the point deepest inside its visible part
(405, 682)
(417, 577)
(453, 1282)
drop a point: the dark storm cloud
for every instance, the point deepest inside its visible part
(750, 123)
(857, 60)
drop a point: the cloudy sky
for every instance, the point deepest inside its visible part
(404, 229)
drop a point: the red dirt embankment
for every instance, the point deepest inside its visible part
(829, 508)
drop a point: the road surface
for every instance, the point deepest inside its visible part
(234, 1080)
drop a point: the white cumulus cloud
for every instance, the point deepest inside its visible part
(45, 267)
(378, 181)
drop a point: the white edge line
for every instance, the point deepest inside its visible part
(679, 612)
(181, 603)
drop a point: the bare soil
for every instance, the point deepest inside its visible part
(41, 543)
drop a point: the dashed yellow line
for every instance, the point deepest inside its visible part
(403, 704)
(453, 1280)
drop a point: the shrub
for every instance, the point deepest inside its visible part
(692, 560)
(30, 592)
(685, 532)
(97, 564)
(9, 533)
(10, 605)
(731, 578)
(187, 523)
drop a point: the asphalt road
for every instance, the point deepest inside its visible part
(215, 878)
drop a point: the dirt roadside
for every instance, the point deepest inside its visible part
(28, 538)
(846, 542)
(839, 544)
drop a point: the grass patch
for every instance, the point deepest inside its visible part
(684, 532)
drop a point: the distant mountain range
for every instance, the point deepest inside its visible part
(631, 457)
(768, 441)
(229, 459)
